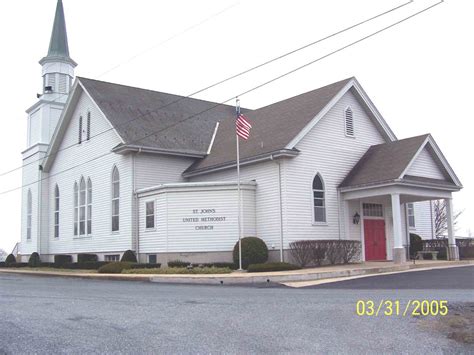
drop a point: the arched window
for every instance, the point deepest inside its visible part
(88, 134)
(319, 202)
(349, 122)
(76, 208)
(89, 206)
(82, 207)
(115, 200)
(56, 212)
(29, 214)
(80, 130)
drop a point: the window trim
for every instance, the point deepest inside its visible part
(80, 129)
(89, 200)
(147, 215)
(56, 212)
(324, 198)
(76, 209)
(349, 108)
(112, 215)
(88, 126)
(412, 208)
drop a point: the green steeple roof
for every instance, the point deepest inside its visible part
(58, 45)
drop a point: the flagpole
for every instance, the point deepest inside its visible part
(239, 215)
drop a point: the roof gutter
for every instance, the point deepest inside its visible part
(399, 182)
(282, 153)
(129, 148)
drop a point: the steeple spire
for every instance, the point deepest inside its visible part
(58, 45)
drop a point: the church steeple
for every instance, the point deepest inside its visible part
(58, 46)
(58, 67)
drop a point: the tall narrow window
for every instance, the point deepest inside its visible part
(88, 134)
(411, 215)
(76, 209)
(56, 212)
(115, 200)
(82, 207)
(349, 122)
(319, 203)
(29, 214)
(80, 130)
(89, 206)
(150, 214)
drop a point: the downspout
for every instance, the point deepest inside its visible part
(135, 202)
(281, 207)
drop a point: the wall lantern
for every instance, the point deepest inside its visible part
(356, 218)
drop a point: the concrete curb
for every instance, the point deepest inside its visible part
(248, 278)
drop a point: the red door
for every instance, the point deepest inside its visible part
(374, 236)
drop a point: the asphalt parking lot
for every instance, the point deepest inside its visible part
(59, 315)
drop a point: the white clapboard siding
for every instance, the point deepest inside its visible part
(99, 171)
(154, 169)
(328, 151)
(423, 224)
(30, 181)
(425, 166)
(172, 205)
(266, 196)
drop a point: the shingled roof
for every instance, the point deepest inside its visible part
(273, 127)
(181, 124)
(387, 162)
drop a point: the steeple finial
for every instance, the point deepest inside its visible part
(58, 45)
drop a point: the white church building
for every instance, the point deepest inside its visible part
(110, 167)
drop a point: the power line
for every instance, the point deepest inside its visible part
(221, 82)
(241, 94)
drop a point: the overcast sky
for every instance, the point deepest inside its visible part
(418, 74)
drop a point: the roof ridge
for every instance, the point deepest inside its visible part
(154, 91)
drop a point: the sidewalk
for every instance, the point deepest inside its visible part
(294, 278)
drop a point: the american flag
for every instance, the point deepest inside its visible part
(242, 127)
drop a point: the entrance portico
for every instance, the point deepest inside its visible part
(391, 175)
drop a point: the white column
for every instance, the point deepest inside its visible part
(399, 254)
(453, 249)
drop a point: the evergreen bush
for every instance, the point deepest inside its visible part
(10, 260)
(254, 251)
(115, 267)
(34, 260)
(129, 256)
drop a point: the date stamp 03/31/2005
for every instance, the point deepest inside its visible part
(388, 308)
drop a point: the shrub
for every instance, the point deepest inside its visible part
(88, 265)
(60, 260)
(178, 263)
(180, 270)
(2, 264)
(10, 260)
(115, 267)
(302, 252)
(306, 252)
(87, 258)
(416, 244)
(34, 260)
(17, 265)
(351, 250)
(254, 251)
(129, 256)
(231, 266)
(279, 266)
(146, 266)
